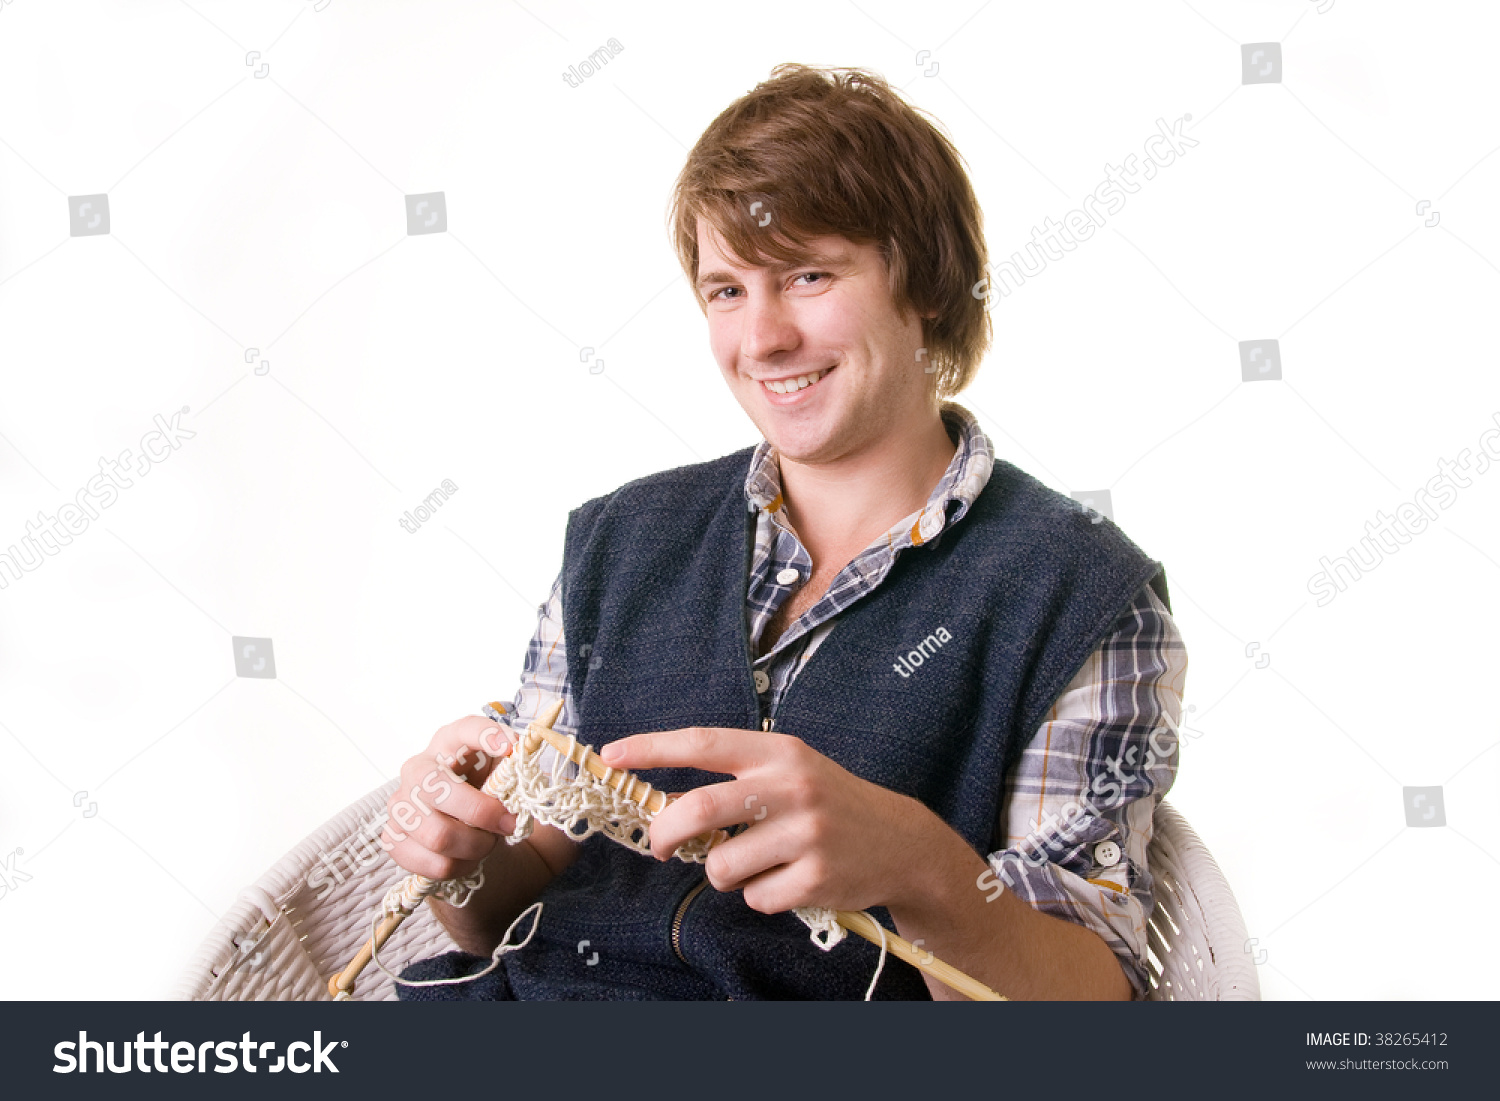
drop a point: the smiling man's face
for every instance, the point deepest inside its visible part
(829, 319)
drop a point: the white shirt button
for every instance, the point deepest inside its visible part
(762, 682)
(929, 525)
(788, 576)
(1106, 854)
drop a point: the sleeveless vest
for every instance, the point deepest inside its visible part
(1002, 609)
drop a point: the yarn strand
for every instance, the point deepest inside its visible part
(535, 909)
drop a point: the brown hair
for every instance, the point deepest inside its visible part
(838, 151)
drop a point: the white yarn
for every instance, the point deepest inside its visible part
(827, 932)
(407, 895)
(500, 949)
(555, 798)
(563, 797)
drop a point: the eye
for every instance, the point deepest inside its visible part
(714, 294)
(814, 275)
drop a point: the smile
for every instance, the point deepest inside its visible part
(793, 386)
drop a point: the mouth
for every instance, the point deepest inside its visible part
(786, 391)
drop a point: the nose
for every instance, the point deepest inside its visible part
(770, 327)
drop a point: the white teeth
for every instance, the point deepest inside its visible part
(791, 386)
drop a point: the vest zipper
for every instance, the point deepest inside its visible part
(680, 914)
(682, 907)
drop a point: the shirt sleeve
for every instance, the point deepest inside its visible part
(1076, 809)
(544, 678)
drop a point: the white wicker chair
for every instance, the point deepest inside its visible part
(307, 917)
(1196, 936)
(303, 921)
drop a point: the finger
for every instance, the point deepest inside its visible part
(710, 748)
(417, 818)
(778, 889)
(471, 750)
(465, 803)
(449, 837)
(735, 863)
(422, 861)
(710, 807)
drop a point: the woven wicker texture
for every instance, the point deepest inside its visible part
(299, 923)
(1198, 949)
(305, 925)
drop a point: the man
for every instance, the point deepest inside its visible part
(909, 677)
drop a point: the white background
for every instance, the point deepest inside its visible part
(267, 213)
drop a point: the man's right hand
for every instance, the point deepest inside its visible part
(441, 825)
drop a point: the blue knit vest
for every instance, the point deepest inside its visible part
(653, 588)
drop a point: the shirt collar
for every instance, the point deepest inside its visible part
(967, 473)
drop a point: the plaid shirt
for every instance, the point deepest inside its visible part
(1126, 701)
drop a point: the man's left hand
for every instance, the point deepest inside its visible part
(818, 836)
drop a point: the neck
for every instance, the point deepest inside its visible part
(840, 508)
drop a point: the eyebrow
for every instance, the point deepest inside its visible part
(827, 260)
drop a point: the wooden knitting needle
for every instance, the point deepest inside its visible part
(855, 921)
(628, 784)
(861, 923)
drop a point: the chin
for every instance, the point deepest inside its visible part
(802, 446)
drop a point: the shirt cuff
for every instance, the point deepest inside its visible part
(1101, 900)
